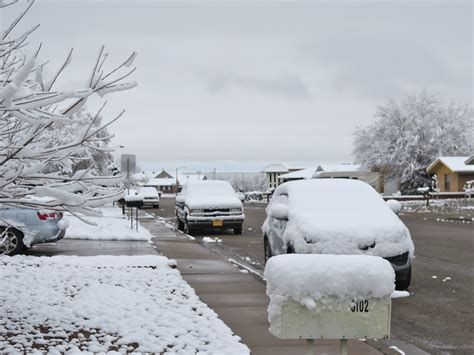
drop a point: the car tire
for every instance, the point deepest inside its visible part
(156, 206)
(402, 284)
(238, 230)
(14, 240)
(267, 249)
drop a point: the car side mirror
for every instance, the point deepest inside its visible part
(279, 211)
(395, 206)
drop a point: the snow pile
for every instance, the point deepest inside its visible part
(209, 194)
(111, 226)
(338, 216)
(394, 205)
(105, 303)
(307, 279)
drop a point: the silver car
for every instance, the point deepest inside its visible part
(22, 228)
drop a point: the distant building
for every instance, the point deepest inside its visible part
(163, 175)
(165, 182)
(277, 174)
(302, 174)
(273, 172)
(348, 171)
(452, 172)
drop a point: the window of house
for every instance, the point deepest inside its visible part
(447, 182)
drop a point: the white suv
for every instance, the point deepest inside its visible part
(209, 204)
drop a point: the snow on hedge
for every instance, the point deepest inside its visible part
(338, 216)
(308, 278)
(111, 226)
(105, 303)
(208, 193)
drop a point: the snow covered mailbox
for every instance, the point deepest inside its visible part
(329, 296)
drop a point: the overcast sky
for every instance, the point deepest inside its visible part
(235, 85)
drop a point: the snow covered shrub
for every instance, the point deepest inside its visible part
(48, 142)
(409, 135)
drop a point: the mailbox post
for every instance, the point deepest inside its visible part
(137, 202)
(330, 298)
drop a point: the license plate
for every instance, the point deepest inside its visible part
(217, 223)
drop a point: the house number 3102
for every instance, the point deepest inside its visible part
(360, 306)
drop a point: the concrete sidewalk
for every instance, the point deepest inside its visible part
(238, 298)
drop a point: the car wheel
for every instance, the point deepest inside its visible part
(11, 241)
(290, 250)
(403, 282)
(267, 249)
(238, 230)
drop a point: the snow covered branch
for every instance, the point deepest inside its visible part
(53, 153)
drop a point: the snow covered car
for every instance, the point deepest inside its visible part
(337, 216)
(209, 204)
(22, 228)
(151, 197)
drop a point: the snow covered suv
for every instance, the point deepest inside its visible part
(209, 204)
(337, 216)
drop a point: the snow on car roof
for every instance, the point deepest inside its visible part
(342, 216)
(210, 193)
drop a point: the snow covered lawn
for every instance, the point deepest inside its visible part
(105, 303)
(111, 226)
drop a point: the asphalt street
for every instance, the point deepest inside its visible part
(438, 315)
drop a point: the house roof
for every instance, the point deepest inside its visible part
(306, 173)
(336, 168)
(461, 164)
(160, 182)
(275, 168)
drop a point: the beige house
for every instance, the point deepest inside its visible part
(272, 173)
(452, 172)
(277, 174)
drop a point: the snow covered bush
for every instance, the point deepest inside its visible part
(48, 142)
(409, 135)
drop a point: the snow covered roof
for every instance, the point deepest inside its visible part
(461, 164)
(336, 168)
(306, 173)
(275, 168)
(160, 182)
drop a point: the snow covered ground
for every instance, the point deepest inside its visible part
(111, 226)
(105, 303)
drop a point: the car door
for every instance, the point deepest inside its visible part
(180, 202)
(278, 221)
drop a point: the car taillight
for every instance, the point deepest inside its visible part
(50, 215)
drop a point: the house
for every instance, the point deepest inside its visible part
(452, 172)
(165, 182)
(348, 171)
(272, 173)
(164, 174)
(303, 174)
